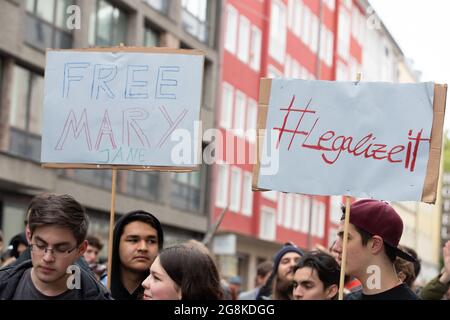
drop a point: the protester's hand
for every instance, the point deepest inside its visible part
(445, 277)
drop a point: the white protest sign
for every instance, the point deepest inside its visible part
(121, 107)
(344, 138)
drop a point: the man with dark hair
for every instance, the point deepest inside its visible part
(95, 245)
(316, 277)
(374, 233)
(279, 285)
(93, 248)
(57, 226)
(138, 237)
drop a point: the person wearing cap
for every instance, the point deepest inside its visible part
(280, 283)
(374, 233)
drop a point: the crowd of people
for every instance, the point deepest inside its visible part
(36, 263)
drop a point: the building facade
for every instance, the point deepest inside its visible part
(179, 200)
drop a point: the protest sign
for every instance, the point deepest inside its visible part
(356, 139)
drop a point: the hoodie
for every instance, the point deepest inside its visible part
(118, 290)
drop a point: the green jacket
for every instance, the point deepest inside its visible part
(434, 290)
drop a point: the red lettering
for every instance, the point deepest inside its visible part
(417, 141)
(392, 152)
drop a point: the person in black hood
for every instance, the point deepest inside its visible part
(137, 239)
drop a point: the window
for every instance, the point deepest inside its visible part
(321, 220)
(307, 26)
(314, 218)
(194, 18)
(347, 3)
(341, 72)
(298, 15)
(45, 24)
(186, 191)
(336, 212)
(247, 194)
(110, 25)
(244, 39)
(296, 70)
(306, 212)
(27, 95)
(343, 35)
(98, 178)
(267, 228)
(222, 186)
(290, 13)
(151, 37)
(315, 33)
(270, 195)
(295, 11)
(251, 120)
(236, 181)
(142, 184)
(227, 106)
(358, 25)
(273, 72)
(277, 44)
(296, 224)
(446, 205)
(330, 4)
(288, 210)
(12, 219)
(280, 208)
(255, 49)
(354, 67)
(160, 5)
(239, 113)
(231, 29)
(323, 43)
(330, 43)
(288, 66)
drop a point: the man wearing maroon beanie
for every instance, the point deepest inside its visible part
(374, 233)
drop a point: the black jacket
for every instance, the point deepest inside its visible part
(118, 291)
(10, 276)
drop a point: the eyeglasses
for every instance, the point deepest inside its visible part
(57, 251)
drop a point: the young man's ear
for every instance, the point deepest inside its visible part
(82, 248)
(28, 234)
(331, 291)
(377, 244)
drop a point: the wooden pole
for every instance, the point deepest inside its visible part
(111, 224)
(345, 236)
(344, 248)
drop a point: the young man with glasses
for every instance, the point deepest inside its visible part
(57, 232)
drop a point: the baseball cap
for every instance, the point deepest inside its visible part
(379, 218)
